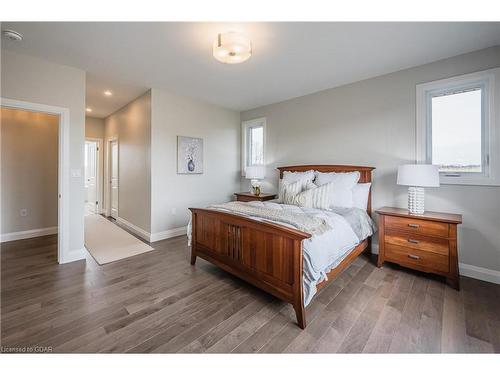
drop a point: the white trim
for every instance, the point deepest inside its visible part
(158, 236)
(13, 236)
(134, 228)
(479, 273)
(99, 178)
(491, 134)
(107, 177)
(244, 126)
(63, 168)
(74, 255)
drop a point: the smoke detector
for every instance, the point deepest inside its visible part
(12, 35)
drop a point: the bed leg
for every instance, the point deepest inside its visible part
(301, 315)
(193, 258)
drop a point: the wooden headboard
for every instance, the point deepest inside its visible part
(365, 174)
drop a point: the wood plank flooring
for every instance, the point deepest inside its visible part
(157, 302)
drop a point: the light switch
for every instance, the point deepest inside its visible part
(76, 173)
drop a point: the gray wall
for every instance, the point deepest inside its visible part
(94, 127)
(175, 115)
(132, 126)
(372, 122)
(29, 145)
(34, 80)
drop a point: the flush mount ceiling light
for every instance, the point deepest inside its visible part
(108, 93)
(88, 109)
(232, 48)
(12, 35)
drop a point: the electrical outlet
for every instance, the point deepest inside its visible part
(23, 212)
(173, 211)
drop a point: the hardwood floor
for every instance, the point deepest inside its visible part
(157, 302)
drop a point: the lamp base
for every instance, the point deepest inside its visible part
(255, 187)
(416, 200)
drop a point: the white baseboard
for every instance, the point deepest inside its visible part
(73, 256)
(158, 236)
(134, 229)
(374, 248)
(479, 273)
(27, 234)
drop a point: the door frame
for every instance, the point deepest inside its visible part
(98, 173)
(108, 175)
(63, 175)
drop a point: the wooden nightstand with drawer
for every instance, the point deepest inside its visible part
(249, 197)
(425, 242)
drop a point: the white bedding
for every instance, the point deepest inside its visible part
(325, 251)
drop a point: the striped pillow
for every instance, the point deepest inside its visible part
(291, 190)
(315, 197)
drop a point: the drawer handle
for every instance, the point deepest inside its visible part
(411, 256)
(416, 226)
(413, 241)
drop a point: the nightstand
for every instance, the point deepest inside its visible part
(249, 197)
(425, 242)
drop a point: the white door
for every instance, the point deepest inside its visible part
(91, 176)
(114, 180)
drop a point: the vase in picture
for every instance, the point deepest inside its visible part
(190, 165)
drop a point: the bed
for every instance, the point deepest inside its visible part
(271, 255)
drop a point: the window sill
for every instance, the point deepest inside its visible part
(469, 181)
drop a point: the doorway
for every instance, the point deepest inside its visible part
(93, 176)
(61, 192)
(113, 178)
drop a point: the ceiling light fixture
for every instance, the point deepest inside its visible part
(232, 48)
(88, 109)
(108, 93)
(12, 35)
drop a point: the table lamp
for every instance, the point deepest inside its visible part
(255, 173)
(417, 177)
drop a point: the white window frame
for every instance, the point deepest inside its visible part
(490, 124)
(245, 129)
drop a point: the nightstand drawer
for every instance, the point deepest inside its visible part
(419, 259)
(419, 226)
(415, 241)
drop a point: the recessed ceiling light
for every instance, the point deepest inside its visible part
(232, 48)
(108, 93)
(12, 35)
(88, 109)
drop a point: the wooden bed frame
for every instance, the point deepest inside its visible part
(264, 254)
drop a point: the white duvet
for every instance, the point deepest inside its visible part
(325, 251)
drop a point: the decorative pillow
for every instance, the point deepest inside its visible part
(291, 177)
(315, 197)
(343, 184)
(360, 195)
(291, 190)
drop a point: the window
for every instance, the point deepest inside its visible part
(456, 129)
(253, 142)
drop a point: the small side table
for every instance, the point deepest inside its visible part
(426, 242)
(249, 197)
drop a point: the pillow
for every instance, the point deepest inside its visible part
(360, 195)
(291, 177)
(290, 190)
(315, 197)
(343, 184)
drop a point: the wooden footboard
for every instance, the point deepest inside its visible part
(264, 254)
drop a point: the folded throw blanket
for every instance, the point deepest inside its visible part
(303, 222)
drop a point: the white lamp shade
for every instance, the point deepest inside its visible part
(255, 172)
(422, 175)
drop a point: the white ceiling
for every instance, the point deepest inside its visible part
(289, 59)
